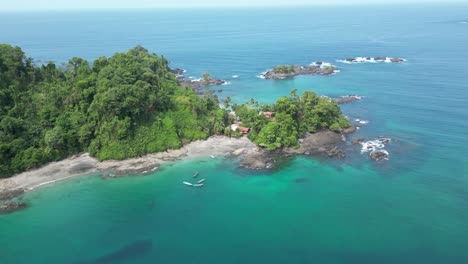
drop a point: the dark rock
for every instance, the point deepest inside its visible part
(358, 141)
(7, 195)
(396, 60)
(177, 71)
(380, 58)
(195, 84)
(378, 155)
(301, 180)
(347, 99)
(259, 160)
(12, 207)
(220, 90)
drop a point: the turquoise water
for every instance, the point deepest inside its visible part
(410, 209)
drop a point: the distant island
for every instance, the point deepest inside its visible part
(196, 84)
(289, 71)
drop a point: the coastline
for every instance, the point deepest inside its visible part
(84, 164)
(252, 157)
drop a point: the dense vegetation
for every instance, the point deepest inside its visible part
(118, 107)
(284, 69)
(128, 105)
(293, 117)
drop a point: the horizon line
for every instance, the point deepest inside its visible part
(285, 5)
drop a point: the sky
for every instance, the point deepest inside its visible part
(6, 5)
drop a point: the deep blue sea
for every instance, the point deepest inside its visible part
(412, 208)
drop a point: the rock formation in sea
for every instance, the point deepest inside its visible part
(347, 99)
(325, 142)
(289, 71)
(10, 207)
(196, 84)
(373, 59)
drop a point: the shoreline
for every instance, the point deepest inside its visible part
(251, 157)
(83, 164)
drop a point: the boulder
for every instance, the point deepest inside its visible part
(358, 141)
(379, 155)
(12, 207)
(396, 60)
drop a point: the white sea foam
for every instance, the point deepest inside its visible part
(226, 83)
(362, 122)
(358, 97)
(374, 145)
(262, 75)
(196, 80)
(235, 76)
(369, 60)
(191, 77)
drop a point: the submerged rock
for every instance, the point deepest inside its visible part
(12, 207)
(336, 153)
(301, 180)
(7, 195)
(358, 141)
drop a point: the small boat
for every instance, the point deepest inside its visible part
(200, 181)
(188, 183)
(212, 156)
(195, 174)
(198, 185)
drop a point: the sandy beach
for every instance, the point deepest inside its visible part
(252, 157)
(84, 164)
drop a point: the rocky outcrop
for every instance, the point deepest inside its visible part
(10, 194)
(379, 155)
(178, 72)
(349, 130)
(318, 68)
(196, 84)
(322, 142)
(373, 59)
(347, 99)
(259, 160)
(12, 207)
(358, 141)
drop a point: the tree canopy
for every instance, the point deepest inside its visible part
(128, 105)
(118, 107)
(293, 117)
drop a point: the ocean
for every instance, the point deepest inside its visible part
(412, 208)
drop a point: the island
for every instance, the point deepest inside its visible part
(289, 71)
(196, 84)
(129, 113)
